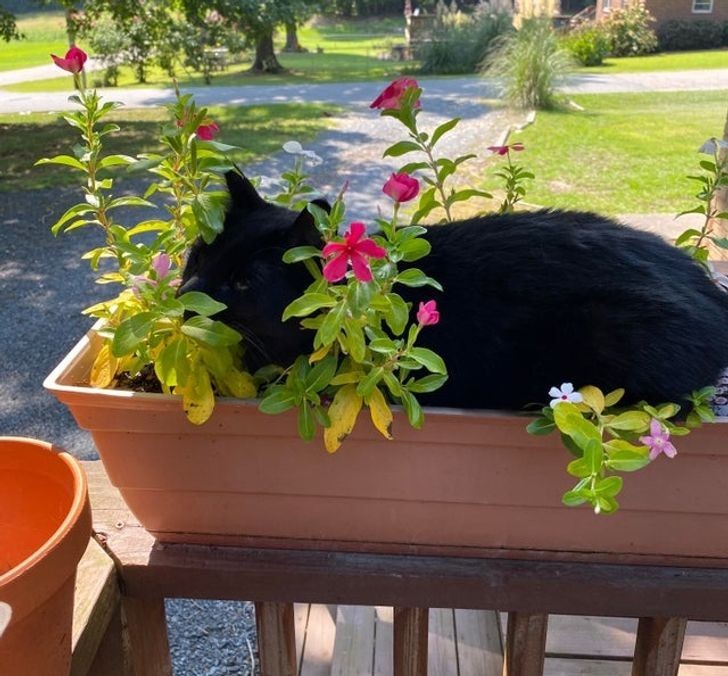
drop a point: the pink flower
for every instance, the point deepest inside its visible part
(391, 97)
(504, 150)
(73, 61)
(658, 441)
(401, 187)
(355, 249)
(428, 314)
(161, 264)
(207, 131)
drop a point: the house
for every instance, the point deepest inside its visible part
(553, 8)
(666, 10)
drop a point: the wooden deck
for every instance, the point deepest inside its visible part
(357, 641)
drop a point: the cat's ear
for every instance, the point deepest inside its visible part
(242, 192)
(304, 231)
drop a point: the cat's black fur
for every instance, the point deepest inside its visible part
(530, 300)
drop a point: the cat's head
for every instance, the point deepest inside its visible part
(243, 269)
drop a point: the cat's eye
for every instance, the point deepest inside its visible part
(240, 285)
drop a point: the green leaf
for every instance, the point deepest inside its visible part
(306, 304)
(401, 148)
(593, 455)
(627, 461)
(687, 235)
(65, 160)
(321, 374)
(278, 400)
(306, 422)
(443, 129)
(573, 498)
(210, 332)
(613, 397)
(201, 303)
(415, 278)
(570, 421)
(428, 383)
(414, 249)
(172, 365)
(75, 210)
(332, 324)
(609, 487)
(357, 344)
(630, 421)
(209, 213)
(398, 313)
(464, 195)
(115, 160)
(413, 409)
(369, 382)
(578, 468)
(131, 333)
(541, 426)
(300, 253)
(129, 201)
(429, 359)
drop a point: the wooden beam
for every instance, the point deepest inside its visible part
(658, 646)
(145, 633)
(276, 638)
(525, 644)
(410, 641)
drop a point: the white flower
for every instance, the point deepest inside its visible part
(564, 393)
(295, 148)
(711, 146)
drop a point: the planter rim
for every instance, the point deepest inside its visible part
(74, 515)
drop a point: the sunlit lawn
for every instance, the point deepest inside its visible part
(707, 59)
(258, 130)
(625, 153)
(45, 33)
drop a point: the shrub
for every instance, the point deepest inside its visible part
(629, 31)
(725, 34)
(461, 42)
(109, 45)
(674, 35)
(588, 44)
(529, 63)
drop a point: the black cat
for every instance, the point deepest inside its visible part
(530, 300)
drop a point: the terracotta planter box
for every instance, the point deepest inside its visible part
(467, 480)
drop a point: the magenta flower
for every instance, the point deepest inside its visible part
(207, 131)
(504, 150)
(391, 97)
(428, 314)
(355, 249)
(658, 441)
(161, 264)
(401, 187)
(73, 61)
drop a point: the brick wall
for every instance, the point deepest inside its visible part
(664, 10)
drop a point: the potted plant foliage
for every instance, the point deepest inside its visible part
(200, 461)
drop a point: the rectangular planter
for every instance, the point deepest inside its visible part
(468, 479)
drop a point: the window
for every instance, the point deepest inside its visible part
(702, 6)
(606, 5)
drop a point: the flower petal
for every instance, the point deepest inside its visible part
(669, 450)
(361, 267)
(293, 147)
(335, 269)
(334, 248)
(554, 392)
(567, 388)
(356, 231)
(370, 248)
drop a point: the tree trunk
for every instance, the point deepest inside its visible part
(292, 43)
(265, 57)
(720, 204)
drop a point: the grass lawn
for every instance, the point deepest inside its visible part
(707, 60)
(45, 34)
(28, 137)
(625, 153)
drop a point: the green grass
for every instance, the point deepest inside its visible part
(45, 34)
(351, 51)
(625, 153)
(702, 60)
(258, 130)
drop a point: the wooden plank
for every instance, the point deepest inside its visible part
(559, 666)
(479, 643)
(706, 642)
(658, 646)
(300, 620)
(525, 644)
(383, 641)
(442, 659)
(112, 656)
(96, 599)
(276, 638)
(145, 625)
(410, 641)
(354, 645)
(318, 652)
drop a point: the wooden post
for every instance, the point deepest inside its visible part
(659, 646)
(410, 641)
(525, 644)
(145, 630)
(276, 638)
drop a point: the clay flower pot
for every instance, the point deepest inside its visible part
(45, 526)
(468, 480)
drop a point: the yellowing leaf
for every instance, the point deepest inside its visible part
(240, 384)
(593, 398)
(613, 397)
(319, 354)
(104, 367)
(198, 399)
(380, 412)
(343, 412)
